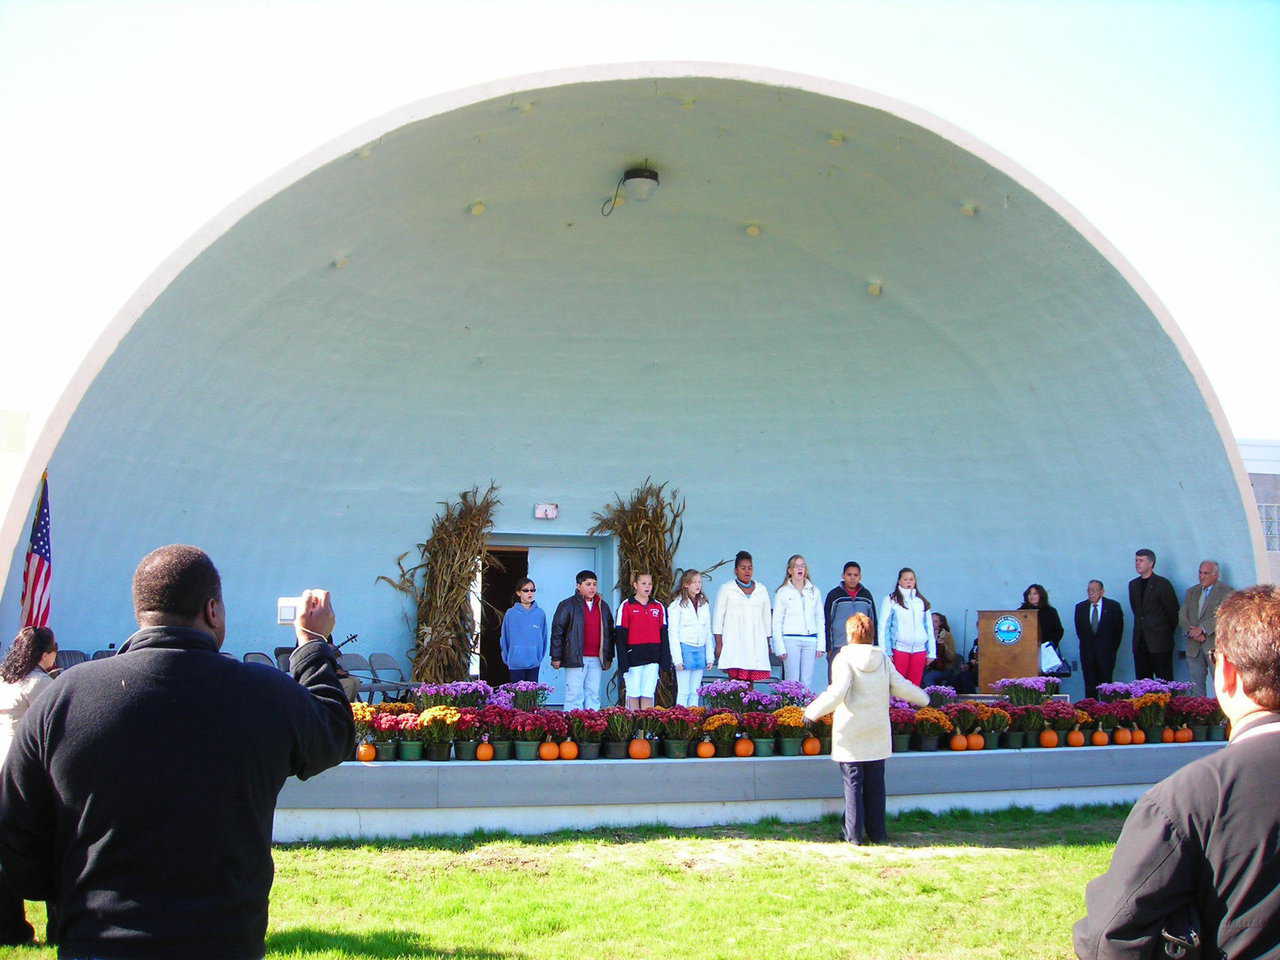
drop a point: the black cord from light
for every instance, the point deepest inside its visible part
(612, 201)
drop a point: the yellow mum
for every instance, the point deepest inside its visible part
(791, 716)
(718, 720)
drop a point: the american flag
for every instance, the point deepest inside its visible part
(39, 571)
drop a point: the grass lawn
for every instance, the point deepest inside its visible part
(960, 885)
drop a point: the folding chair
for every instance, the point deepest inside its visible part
(387, 670)
(256, 657)
(66, 659)
(356, 665)
(282, 657)
(102, 654)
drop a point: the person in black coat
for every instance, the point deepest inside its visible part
(1036, 598)
(1100, 628)
(1155, 616)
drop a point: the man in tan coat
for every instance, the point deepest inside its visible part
(1196, 619)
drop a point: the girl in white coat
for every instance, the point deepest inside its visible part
(906, 629)
(797, 619)
(689, 632)
(862, 680)
(742, 623)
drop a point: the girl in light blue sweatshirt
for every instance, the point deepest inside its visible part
(524, 634)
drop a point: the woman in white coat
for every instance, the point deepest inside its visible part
(797, 620)
(689, 633)
(862, 680)
(906, 628)
(23, 677)
(742, 624)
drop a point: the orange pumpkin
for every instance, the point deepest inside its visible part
(976, 741)
(1166, 735)
(959, 741)
(366, 752)
(743, 747)
(484, 751)
(1183, 735)
(1075, 739)
(1048, 738)
(1123, 736)
(705, 749)
(1139, 735)
(1099, 738)
(548, 750)
(639, 749)
(568, 750)
(811, 746)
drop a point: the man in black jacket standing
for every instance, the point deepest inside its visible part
(1206, 841)
(1155, 616)
(1099, 628)
(139, 792)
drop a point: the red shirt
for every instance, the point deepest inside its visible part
(642, 621)
(591, 629)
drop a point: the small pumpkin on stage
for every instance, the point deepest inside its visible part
(1122, 737)
(811, 746)
(366, 752)
(976, 741)
(548, 750)
(1099, 738)
(1075, 738)
(1167, 735)
(484, 751)
(959, 742)
(1139, 735)
(705, 749)
(1183, 735)
(1048, 738)
(743, 747)
(639, 749)
(568, 750)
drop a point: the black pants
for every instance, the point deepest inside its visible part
(864, 800)
(1097, 664)
(530, 674)
(13, 921)
(1148, 665)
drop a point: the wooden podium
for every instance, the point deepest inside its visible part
(1008, 646)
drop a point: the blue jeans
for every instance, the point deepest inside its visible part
(530, 673)
(864, 799)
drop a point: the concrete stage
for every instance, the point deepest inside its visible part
(399, 799)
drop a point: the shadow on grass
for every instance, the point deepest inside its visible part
(1015, 827)
(304, 941)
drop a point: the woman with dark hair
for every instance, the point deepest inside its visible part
(23, 675)
(1036, 598)
(906, 629)
(742, 623)
(524, 634)
(945, 668)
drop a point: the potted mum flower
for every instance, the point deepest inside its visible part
(386, 729)
(526, 694)
(362, 715)
(725, 694)
(760, 727)
(586, 727)
(902, 723)
(1059, 717)
(437, 726)
(529, 730)
(1217, 721)
(467, 733)
(793, 693)
(1150, 708)
(1026, 691)
(790, 730)
(620, 727)
(931, 723)
(410, 729)
(722, 728)
(679, 726)
(1111, 692)
(1030, 722)
(496, 722)
(993, 724)
(940, 694)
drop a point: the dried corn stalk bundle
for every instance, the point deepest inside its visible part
(440, 585)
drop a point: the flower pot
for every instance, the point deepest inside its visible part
(1153, 733)
(928, 744)
(675, 749)
(789, 746)
(825, 747)
(464, 749)
(526, 749)
(724, 749)
(991, 741)
(589, 750)
(764, 746)
(901, 742)
(501, 749)
(1217, 733)
(615, 749)
(386, 750)
(410, 749)
(439, 752)
(1200, 734)
(1016, 739)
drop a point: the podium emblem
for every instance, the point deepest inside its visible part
(1007, 630)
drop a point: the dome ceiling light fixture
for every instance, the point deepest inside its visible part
(640, 183)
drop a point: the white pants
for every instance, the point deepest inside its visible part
(687, 684)
(582, 685)
(800, 658)
(642, 681)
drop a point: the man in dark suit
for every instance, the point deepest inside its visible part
(1155, 617)
(1100, 628)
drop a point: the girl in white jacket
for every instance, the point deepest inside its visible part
(797, 619)
(689, 633)
(906, 629)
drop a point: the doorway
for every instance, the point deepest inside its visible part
(497, 594)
